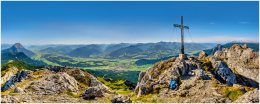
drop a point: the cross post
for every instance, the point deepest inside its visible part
(182, 27)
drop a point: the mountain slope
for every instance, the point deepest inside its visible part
(5, 57)
(86, 51)
(17, 52)
(221, 78)
(122, 50)
(17, 48)
(5, 46)
(157, 50)
(52, 84)
(55, 49)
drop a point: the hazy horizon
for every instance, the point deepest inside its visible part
(128, 22)
(131, 43)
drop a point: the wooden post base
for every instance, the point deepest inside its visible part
(182, 56)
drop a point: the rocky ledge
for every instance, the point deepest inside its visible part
(211, 79)
(53, 84)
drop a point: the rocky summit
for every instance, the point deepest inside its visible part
(230, 75)
(18, 48)
(242, 60)
(52, 84)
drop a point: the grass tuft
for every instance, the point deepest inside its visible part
(232, 93)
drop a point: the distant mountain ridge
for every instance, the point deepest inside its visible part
(86, 51)
(253, 45)
(120, 50)
(139, 50)
(17, 48)
(18, 52)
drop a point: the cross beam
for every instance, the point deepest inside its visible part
(182, 27)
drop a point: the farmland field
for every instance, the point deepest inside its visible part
(116, 69)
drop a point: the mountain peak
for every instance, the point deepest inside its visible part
(17, 48)
(18, 45)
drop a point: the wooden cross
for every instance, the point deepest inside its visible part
(182, 27)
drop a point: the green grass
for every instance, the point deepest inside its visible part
(74, 94)
(18, 64)
(128, 67)
(232, 93)
(117, 69)
(206, 64)
(117, 86)
(40, 58)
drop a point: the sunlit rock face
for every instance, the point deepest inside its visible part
(158, 77)
(242, 60)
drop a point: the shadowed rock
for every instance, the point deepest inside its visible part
(121, 99)
(242, 60)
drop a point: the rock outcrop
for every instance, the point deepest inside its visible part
(18, 77)
(222, 72)
(202, 55)
(158, 77)
(85, 78)
(243, 61)
(121, 99)
(217, 48)
(93, 92)
(202, 79)
(9, 72)
(54, 84)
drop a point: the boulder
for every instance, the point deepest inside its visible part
(242, 60)
(121, 99)
(93, 92)
(249, 97)
(222, 72)
(202, 55)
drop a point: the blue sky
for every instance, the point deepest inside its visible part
(128, 22)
